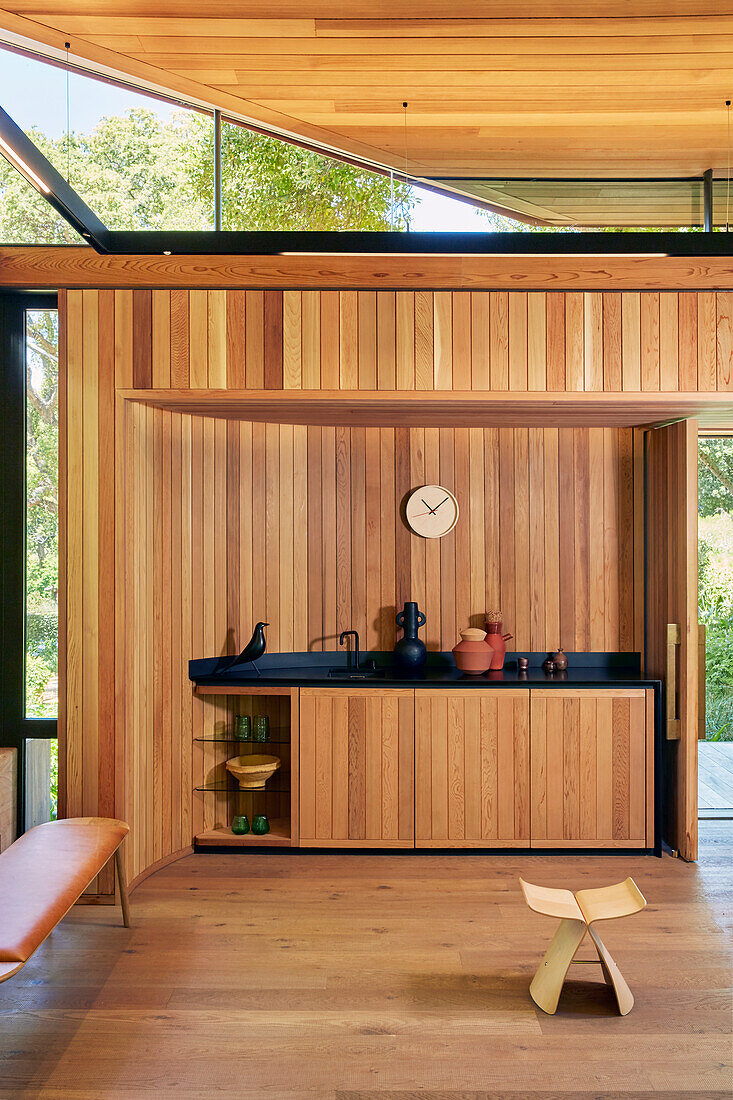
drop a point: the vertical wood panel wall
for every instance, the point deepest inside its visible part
(228, 517)
(430, 340)
(233, 522)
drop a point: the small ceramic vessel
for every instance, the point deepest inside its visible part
(472, 654)
(561, 661)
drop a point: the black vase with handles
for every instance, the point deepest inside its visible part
(410, 653)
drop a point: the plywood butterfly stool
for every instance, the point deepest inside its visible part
(578, 913)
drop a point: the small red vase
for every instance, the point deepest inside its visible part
(497, 641)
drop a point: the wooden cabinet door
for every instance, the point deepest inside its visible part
(356, 768)
(472, 768)
(671, 600)
(592, 768)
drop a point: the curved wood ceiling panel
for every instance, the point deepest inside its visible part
(543, 88)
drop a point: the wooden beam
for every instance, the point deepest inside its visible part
(56, 267)
(448, 408)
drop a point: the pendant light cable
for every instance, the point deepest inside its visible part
(391, 199)
(404, 107)
(68, 116)
(728, 174)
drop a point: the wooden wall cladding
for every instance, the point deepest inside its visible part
(425, 340)
(177, 529)
(229, 522)
(301, 527)
(87, 606)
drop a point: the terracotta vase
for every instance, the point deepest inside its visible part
(497, 641)
(472, 654)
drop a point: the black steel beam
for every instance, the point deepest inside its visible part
(240, 243)
(26, 158)
(217, 171)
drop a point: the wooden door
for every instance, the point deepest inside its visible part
(592, 768)
(671, 601)
(356, 768)
(472, 768)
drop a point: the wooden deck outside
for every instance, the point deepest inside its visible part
(297, 976)
(715, 778)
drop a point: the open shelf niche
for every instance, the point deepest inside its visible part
(217, 796)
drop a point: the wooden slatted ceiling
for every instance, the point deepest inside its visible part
(597, 203)
(553, 88)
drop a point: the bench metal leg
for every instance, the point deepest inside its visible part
(122, 885)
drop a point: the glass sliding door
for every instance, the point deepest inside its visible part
(715, 571)
(29, 489)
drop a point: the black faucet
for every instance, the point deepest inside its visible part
(342, 637)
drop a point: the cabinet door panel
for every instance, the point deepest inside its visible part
(589, 768)
(356, 776)
(472, 768)
(671, 457)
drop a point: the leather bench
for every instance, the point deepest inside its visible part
(44, 872)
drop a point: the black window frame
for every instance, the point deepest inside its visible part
(15, 728)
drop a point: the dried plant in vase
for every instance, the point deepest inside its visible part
(496, 639)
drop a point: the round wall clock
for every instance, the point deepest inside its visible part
(431, 511)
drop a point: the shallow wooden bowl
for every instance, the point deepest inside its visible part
(252, 772)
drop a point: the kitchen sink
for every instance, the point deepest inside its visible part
(357, 673)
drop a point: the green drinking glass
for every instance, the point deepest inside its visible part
(240, 825)
(242, 727)
(260, 825)
(262, 728)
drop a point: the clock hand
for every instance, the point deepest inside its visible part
(442, 502)
(431, 510)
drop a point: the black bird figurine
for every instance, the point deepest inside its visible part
(253, 650)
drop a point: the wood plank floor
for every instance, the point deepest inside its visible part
(715, 776)
(349, 977)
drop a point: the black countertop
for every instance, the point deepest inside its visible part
(585, 670)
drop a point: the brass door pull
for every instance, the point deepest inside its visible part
(701, 682)
(674, 638)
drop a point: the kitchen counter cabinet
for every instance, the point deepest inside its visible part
(449, 768)
(592, 768)
(357, 768)
(472, 771)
